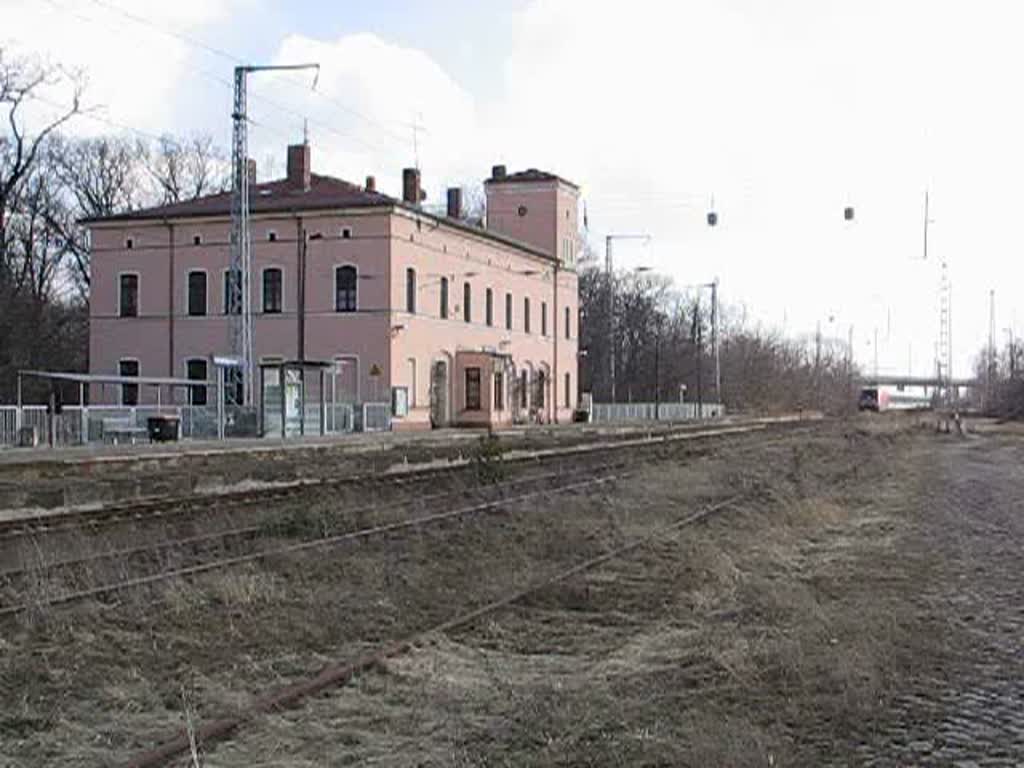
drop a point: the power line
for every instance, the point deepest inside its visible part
(196, 42)
(214, 77)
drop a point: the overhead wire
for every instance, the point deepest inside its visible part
(227, 55)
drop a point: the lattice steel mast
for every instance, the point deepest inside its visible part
(240, 282)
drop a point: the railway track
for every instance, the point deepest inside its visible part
(342, 672)
(210, 551)
(163, 508)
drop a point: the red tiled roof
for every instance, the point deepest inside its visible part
(324, 193)
(530, 174)
(270, 197)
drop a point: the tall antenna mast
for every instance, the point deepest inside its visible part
(240, 282)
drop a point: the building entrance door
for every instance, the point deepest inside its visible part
(439, 394)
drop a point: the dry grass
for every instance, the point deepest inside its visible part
(703, 650)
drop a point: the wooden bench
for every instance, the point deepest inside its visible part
(115, 430)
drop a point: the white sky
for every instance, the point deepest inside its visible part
(784, 111)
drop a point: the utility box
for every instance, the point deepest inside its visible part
(162, 429)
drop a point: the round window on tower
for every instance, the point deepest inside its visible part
(522, 210)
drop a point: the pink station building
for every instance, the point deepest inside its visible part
(450, 321)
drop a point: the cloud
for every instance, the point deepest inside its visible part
(136, 73)
(371, 93)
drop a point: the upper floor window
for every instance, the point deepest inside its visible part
(128, 296)
(129, 243)
(444, 298)
(345, 280)
(346, 233)
(489, 307)
(467, 300)
(568, 321)
(543, 318)
(273, 290)
(197, 240)
(526, 314)
(196, 293)
(508, 311)
(410, 290)
(271, 236)
(129, 392)
(232, 292)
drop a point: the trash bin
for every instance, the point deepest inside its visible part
(162, 429)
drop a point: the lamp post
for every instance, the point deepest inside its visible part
(609, 274)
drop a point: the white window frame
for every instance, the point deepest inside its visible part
(284, 292)
(129, 242)
(271, 236)
(334, 288)
(120, 389)
(138, 292)
(188, 272)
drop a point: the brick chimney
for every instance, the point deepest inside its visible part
(454, 202)
(371, 184)
(299, 166)
(250, 169)
(499, 172)
(411, 192)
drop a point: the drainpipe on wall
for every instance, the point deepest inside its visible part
(170, 297)
(303, 240)
(553, 399)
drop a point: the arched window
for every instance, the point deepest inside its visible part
(410, 291)
(345, 280)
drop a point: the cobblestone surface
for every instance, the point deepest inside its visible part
(965, 706)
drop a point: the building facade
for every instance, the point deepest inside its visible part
(453, 323)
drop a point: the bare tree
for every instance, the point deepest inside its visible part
(99, 177)
(187, 169)
(20, 81)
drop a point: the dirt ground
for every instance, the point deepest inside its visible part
(859, 603)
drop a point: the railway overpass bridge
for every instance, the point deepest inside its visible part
(915, 381)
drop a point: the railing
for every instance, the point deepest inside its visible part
(622, 412)
(376, 417)
(198, 422)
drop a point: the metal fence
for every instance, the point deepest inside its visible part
(623, 412)
(198, 422)
(376, 417)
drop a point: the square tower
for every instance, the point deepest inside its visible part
(537, 208)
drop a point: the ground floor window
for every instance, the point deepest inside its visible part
(196, 371)
(472, 389)
(129, 392)
(499, 391)
(540, 386)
